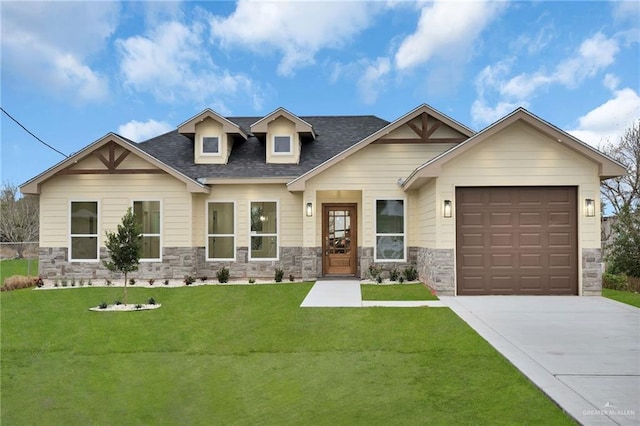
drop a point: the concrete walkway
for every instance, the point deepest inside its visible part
(346, 294)
(583, 352)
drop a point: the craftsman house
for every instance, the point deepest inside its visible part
(512, 209)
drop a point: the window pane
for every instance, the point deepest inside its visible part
(264, 247)
(282, 144)
(84, 217)
(221, 247)
(150, 248)
(148, 216)
(221, 218)
(84, 248)
(388, 247)
(263, 218)
(390, 216)
(210, 145)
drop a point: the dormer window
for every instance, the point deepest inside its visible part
(282, 145)
(211, 145)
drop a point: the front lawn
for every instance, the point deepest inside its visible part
(250, 355)
(10, 267)
(628, 297)
(396, 292)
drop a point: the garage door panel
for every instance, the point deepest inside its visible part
(528, 236)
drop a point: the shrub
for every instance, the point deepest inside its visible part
(374, 271)
(138, 306)
(633, 284)
(291, 278)
(394, 274)
(252, 281)
(223, 275)
(81, 283)
(89, 282)
(56, 283)
(117, 302)
(379, 279)
(188, 280)
(132, 281)
(108, 282)
(63, 282)
(39, 282)
(203, 278)
(400, 279)
(279, 275)
(73, 282)
(166, 282)
(410, 273)
(614, 282)
(102, 305)
(151, 281)
(151, 301)
(17, 282)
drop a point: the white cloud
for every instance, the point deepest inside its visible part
(139, 131)
(609, 121)
(297, 30)
(484, 114)
(373, 79)
(626, 11)
(445, 28)
(611, 82)
(172, 63)
(49, 44)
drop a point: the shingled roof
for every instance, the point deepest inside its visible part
(334, 134)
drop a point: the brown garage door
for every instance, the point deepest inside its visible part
(516, 240)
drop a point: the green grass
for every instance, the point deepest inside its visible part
(11, 267)
(396, 292)
(628, 297)
(249, 355)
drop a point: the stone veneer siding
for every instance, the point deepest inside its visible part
(365, 255)
(591, 272)
(436, 268)
(177, 262)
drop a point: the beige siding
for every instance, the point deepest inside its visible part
(289, 204)
(374, 171)
(425, 220)
(282, 126)
(114, 193)
(520, 156)
(211, 128)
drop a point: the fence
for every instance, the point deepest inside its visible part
(28, 251)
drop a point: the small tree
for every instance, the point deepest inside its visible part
(124, 248)
(18, 217)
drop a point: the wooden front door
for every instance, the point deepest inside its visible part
(339, 236)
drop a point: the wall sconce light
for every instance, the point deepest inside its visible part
(446, 208)
(590, 207)
(309, 209)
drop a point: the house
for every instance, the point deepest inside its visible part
(512, 209)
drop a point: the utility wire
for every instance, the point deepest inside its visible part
(28, 131)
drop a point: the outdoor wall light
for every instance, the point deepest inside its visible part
(309, 209)
(590, 207)
(446, 208)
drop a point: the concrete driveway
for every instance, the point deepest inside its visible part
(583, 352)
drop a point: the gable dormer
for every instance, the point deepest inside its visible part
(212, 136)
(282, 132)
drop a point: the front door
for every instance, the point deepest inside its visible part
(339, 236)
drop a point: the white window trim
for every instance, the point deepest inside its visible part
(85, 235)
(277, 234)
(404, 230)
(207, 235)
(211, 154)
(151, 259)
(273, 145)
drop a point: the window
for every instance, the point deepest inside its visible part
(390, 230)
(221, 240)
(282, 144)
(210, 145)
(148, 217)
(264, 230)
(84, 230)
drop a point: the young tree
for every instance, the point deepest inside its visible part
(624, 252)
(124, 248)
(624, 191)
(19, 217)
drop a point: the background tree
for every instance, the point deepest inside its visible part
(19, 217)
(624, 191)
(624, 251)
(124, 248)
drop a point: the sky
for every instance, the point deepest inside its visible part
(71, 72)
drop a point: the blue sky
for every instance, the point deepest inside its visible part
(74, 71)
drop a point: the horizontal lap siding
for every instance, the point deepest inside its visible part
(520, 156)
(115, 194)
(290, 211)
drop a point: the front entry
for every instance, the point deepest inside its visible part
(339, 239)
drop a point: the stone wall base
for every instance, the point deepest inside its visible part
(436, 268)
(591, 272)
(365, 254)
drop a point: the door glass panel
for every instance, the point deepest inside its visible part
(339, 237)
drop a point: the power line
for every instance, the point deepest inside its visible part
(28, 131)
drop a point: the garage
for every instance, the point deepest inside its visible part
(516, 240)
